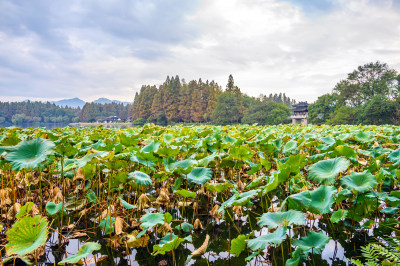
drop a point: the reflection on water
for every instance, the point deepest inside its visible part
(336, 251)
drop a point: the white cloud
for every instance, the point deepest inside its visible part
(268, 45)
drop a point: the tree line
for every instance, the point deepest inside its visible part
(27, 112)
(369, 95)
(176, 101)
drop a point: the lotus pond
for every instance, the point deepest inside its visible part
(200, 195)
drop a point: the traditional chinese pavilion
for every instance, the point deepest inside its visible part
(299, 113)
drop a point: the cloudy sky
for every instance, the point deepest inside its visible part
(102, 48)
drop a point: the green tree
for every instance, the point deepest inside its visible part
(162, 119)
(267, 113)
(227, 109)
(321, 110)
(344, 115)
(18, 118)
(378, 111)
(366, 82)
(231, 84)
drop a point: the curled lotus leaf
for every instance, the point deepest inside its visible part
(83, 252)
(313, 241)
(270, 239)
(140, 178)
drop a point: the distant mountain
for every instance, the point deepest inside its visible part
(74, 102)
(105, 100)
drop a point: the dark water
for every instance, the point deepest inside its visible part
(336, 252)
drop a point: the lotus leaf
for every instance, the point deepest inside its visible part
(186, 193)
(107, 224)
(325, 171)
(185, 227)
(83, 252)
(361, 182)
(338, 215)
(239, 244)
(53, 209)
(269, 239)
(276, 219)
(199, 175)
(289, 146)
(30, 154)
(313, 241)
(152, 219)
(126, 205)
(26, 235)
(140, 178)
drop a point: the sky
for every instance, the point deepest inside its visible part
(52, 50)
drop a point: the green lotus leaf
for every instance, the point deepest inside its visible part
(363, 137)
(313, 241)
(53, 209)
(91, 196)
(299, 201)
(322, 199)
(25, 210)
(199, 175)
(185, 227)
(219, 187)
(140, 178)
(30, 154)
(239, 244)
(184, 166)
(346, 151)
(143, 162)
(107, 225)
(325, 171)
(318, 201)
(125, 204)
(241, 153)
(276, 219)
(328, 140)
(84, 251)
(338, 215)
(152, 147)
(394, 156)
(269, 239)
(243, 198)
(228, 203)
(186, 193)
(361, 182)
(289, 146)
(152, 219)
(167, 247)
(26, 235)
(168, 138)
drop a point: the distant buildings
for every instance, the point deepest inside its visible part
(299, 113)
(110, 119)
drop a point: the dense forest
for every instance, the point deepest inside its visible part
(369, 95)
(92, 112)
(27, 112)
(176, 101)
